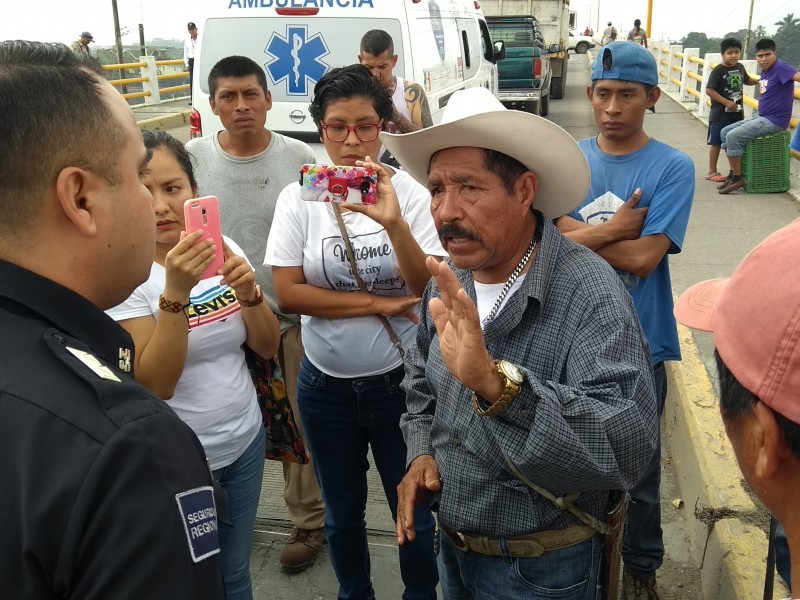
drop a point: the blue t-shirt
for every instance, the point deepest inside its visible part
(776, 94)
(666, 177)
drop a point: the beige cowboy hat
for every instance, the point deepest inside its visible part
(475, 118)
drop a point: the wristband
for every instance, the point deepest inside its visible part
(170, 306)
(255, 301)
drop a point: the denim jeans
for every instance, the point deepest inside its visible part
(736, 135)
(241, 481)
(571, 573)
(643, 547)
(342, 417)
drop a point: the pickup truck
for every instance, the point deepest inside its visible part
(524, 74)
(580, 44)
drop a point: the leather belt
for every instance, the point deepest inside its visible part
(528, 546)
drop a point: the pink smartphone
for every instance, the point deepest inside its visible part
(203, 213)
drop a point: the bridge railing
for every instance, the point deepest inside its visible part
(683, 74)
(151, 73)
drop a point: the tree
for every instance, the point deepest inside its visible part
(787, 39)
(788, 22)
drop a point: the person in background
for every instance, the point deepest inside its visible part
(587, 31)
(637, 35)
(189, 334)
(753, 315)
(528, 351)
(349, 385)
(81, 45)
(775, 102)
(726, 89)
(103, 480)
(246, 166)
(188, 55)
(411, 111)
(609, 34)
(635, 215)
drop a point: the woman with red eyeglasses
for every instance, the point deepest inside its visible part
(354, 333)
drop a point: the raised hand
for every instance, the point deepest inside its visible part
(237, 273)
(461, 338)
(185, 263)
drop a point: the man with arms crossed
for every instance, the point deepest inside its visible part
(246, 166)
(529, 362)
(108, 493)
(635, 237)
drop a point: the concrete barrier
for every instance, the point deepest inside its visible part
(725, 541)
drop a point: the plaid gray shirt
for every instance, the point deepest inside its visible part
(586, 417)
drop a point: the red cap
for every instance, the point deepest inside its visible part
(755, 317)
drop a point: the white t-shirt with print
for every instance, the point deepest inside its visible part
(215, 395)
(306, 234)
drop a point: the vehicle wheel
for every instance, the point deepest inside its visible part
(544, 105)
(582, 47)
(557, 88)
(534, 108)
(558, 84)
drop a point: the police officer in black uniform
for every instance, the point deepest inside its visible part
(106, 493)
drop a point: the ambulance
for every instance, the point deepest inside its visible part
(444, 45)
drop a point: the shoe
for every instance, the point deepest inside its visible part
(638, 588)
(733, 186)
(302, 549)
(724, 184)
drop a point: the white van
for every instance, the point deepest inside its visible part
(444, 45)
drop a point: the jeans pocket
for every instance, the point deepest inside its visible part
(309, 377)
(563, 573)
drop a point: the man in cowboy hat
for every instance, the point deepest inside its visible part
(530, 367)
(634, 216)
(755, 317)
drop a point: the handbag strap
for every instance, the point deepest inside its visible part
(396, 342)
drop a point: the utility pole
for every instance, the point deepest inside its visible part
(749, 31)
(142, 48)
(649, 27)
(118, 38)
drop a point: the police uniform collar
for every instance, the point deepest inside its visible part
(65, 309)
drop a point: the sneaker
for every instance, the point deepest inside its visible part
(635, 587)
(733, 186)
(302, 549)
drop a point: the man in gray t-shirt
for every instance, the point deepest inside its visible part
(246, 166)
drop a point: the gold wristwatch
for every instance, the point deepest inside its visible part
(513, 382)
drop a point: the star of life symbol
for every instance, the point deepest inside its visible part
(296, 59)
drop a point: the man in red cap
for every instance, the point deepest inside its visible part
(755, 317)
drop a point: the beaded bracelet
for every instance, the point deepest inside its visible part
(174, 307)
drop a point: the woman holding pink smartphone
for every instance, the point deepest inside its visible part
(188, 332)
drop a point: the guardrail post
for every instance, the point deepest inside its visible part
(751, 67)
(672, 62)
(711, 59)
(151, 85)
(663, 75)
(689, 67)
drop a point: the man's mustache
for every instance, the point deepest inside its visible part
(453, 230)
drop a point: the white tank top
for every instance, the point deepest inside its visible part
(399, 101)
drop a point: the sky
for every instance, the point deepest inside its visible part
(64, 20)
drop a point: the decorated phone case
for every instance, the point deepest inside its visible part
(329, 183)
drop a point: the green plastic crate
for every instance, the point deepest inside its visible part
(765, 164)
